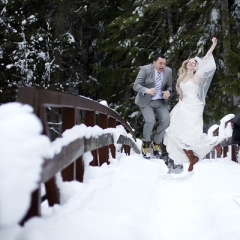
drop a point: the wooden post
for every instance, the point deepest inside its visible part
(52, 192)
(68, 121)
(90, 121)
(79, 169)
(112, 123)
(234, 157)
(34, 209)
(103, 151)
(225, 150)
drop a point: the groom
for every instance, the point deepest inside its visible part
(154, 86)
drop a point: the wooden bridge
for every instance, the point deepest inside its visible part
(73, 110)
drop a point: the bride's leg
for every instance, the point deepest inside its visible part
(218, 149)
(192, 159)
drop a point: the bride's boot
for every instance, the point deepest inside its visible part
(192, 159)
(218, 149)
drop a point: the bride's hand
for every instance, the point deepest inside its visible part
(214, 40)
(180, 97)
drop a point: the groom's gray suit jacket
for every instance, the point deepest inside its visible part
(146, 79)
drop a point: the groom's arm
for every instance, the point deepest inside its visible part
(138, 85)
(168, 91)
(142, 83)
(169, 82)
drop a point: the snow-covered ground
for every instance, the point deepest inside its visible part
(131, 198)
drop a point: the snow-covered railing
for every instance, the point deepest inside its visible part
(101, 130)
(224, 131)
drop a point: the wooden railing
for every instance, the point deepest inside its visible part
(227, 145)
(69, 161)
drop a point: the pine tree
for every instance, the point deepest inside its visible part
(95, 48)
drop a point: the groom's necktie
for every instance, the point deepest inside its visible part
(158, 85)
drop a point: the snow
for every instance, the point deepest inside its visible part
(104, 103)
(134, 114)
(20, 153)
(131, 198)
(139, 11)
(212, 129)
(226, 132)
(214, 15)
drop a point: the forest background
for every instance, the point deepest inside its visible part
(94, 48)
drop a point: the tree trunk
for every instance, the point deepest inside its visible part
(226, 45)
(171, 36)
(226, 35)
(59, 22)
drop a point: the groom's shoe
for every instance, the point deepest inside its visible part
(157, 153)
(146, 150)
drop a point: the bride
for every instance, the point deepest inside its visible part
(184, 138)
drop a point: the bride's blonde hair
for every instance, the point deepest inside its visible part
(183, 69)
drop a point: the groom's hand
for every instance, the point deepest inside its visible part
(166, 94)
(151, 91)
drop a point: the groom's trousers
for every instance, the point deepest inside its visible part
(155, 108)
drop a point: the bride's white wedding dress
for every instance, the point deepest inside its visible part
(186, 119)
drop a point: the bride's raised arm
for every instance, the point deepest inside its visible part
(214, 43)
(205, 64)
(205, 72)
